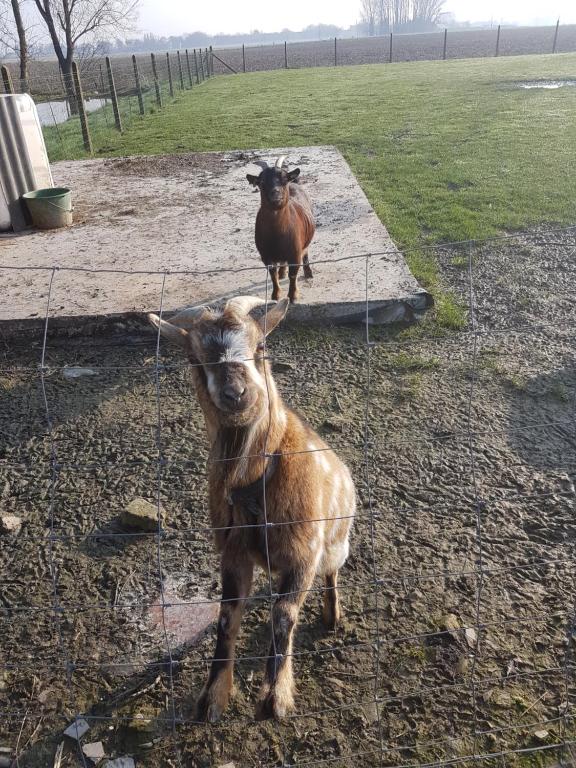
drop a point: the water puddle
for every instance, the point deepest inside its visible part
(52, 112)
(548, 84)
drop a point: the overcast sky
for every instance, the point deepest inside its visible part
(172, 17)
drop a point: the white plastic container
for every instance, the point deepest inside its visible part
(24, 164)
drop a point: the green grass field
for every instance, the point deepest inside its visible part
(444, 150)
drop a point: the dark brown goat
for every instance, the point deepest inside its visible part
(284, 225)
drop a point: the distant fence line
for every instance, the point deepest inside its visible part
(104, 94)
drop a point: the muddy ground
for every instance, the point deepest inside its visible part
(471, 457)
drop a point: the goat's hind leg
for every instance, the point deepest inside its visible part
(307, 271)
(331, 602)
(237, 573)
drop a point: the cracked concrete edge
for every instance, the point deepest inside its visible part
(405, 309)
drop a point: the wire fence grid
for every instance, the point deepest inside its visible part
(138, 91)
(386, 720)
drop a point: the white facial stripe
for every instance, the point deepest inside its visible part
(211, 381)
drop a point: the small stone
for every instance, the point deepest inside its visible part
(71, 372)
(10, 524)
(94, 751)
(120, 762)
(462, 665)
(141, 514)
(77, 729)
(228, 765)
(541, 735)
(471, 637)
(449, 623)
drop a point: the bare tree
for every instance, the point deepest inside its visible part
(427, 10)
(368, 10)
(13, 36)
(71, 23)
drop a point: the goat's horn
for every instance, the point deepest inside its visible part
(186, 317)
(244, 304)
(280, 161)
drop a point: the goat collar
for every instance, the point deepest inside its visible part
(250, 498)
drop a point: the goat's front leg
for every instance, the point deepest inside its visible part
(277, 694)
(237, 572)
(275, 283)
(293, 288)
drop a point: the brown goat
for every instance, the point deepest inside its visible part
(284, 224)
(279, 497)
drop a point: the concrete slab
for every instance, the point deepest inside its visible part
(192, 215)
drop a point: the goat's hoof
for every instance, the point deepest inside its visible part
(274, 705)
(330, 620)
(210, 706)
(293, 299)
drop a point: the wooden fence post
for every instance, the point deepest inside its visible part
(243, 59)
(156, 81)
(201, 64)
(445, 43)
(196, 68)
(211, 62)
(113, 95)
(335, 53)
(498, 42)
(138, 85)
(81, 109)
(206, 65)
(390, 56)
(7, 79)
(189, 69)
(180, 71)
(555, 37)
(285, 55)
(170, 82)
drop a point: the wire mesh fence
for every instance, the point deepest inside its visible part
(457, 644)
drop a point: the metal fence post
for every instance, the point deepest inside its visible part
(113, 95)
(201, 64)
(285, 55)
(196, 68)
(170, 82)
(390, 54)
(81, 109)
(138, 85)
(445, 43)
(243, 59)
(211, 60)
(335, 53)
(188, 68)
(156, 81)
(498, 42)
(7, 79)
(206, 65)
(555, 37)
(180, 71)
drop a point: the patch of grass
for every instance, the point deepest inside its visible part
(559, 391)
(404, 362)
(445, 150)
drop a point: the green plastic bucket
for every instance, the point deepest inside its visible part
(50, 208)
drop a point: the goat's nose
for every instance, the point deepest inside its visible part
(233, 392)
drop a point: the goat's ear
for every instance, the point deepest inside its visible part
(253, 179)
(274, 316)
(171, 332)
(293, 175)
